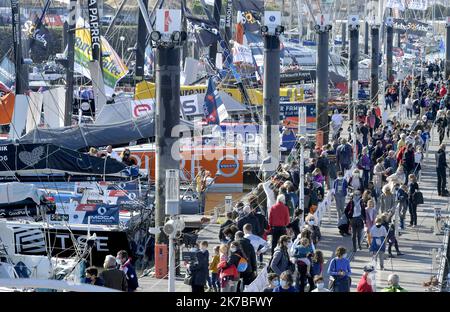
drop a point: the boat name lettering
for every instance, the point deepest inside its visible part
(101, 241)
(3, 148)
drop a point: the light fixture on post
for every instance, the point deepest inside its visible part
(178, 36)
(155, 37)
(322, 23)
(264, 30)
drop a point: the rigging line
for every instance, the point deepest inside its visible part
(40, 180)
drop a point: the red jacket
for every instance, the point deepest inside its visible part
(279, 215)
(443, 91)
(363, 286)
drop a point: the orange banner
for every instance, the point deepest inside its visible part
(6, 108)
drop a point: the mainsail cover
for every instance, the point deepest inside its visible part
(92, 135)
(48, 159)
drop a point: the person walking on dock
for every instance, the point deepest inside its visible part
(344, 154)
(356, 213)
(340, 193)
(278, 220)
(441, 170)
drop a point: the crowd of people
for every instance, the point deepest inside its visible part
(374, 178)
(124, 157)
(118, 273)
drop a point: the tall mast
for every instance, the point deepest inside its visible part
(141, 38)
(70, 62)
(216, 15)
(95, 67)
(21, 68)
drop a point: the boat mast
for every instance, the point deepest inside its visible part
(70, 62)
(95, 67)
(141, 42)
(21, 68)
(216, 15)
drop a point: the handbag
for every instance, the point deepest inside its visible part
(188, 279)
(418, 198)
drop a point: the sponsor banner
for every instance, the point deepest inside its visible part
(242, 54)
(7, 73)
(94, 29)
(17, 212)
(30, 241)
(411, 27)
(141, 108)
(112, 65)
(102, 214)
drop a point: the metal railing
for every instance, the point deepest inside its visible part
(443, 270)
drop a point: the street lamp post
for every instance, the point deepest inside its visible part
(301, 184)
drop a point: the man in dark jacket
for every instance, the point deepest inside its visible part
(249, 217)
(128, 269)
(356, 213)
(199, 268)
(408, 161)
(250, 274)
(225, 226)
(378, 152)
(344, 155)
(441, 167)
(112, 276)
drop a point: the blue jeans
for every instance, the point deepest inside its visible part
(214, 281)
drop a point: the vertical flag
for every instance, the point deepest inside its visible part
(213, 108)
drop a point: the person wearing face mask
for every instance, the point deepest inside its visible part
(273, 281)
(355, 182)
(236, 253)
(286, 283)
(340, 193)
(125, 265)
(320, 285)
(227, 224)
(280, 261)
(339, 271)
(356, 213)
(199, 268)
(378, 243)
(92, 277)
(228, 274)
(247, 248)
(365, 164)
(315, 229)
(365, 283)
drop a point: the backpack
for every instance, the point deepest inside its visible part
(242, 265)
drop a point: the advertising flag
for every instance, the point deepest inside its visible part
(112, 65)
(213, 108)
